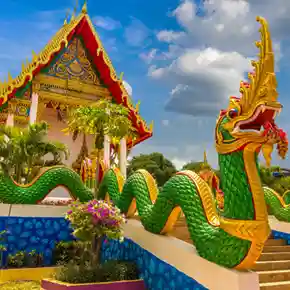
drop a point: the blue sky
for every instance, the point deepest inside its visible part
(182, 58)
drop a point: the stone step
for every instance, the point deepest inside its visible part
(274, 276)
(278, 242)
(275, 256)
(272, 265)
(283, 285)
(272, 249)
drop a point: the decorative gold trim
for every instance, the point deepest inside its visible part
(67, 101)
(70, 85)
(261, 215)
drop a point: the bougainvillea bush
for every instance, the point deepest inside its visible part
(93, 223)
(96, 221)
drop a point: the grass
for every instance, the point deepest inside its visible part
(20, 286)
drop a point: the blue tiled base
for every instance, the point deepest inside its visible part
(34, 233)
(281, 235)
(157, 274)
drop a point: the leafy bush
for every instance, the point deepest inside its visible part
(87, 273)
(16, 260)
(67, 251)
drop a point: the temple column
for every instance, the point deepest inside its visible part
(10, 120)
(107, 147)
(33, 108)
(123, 157)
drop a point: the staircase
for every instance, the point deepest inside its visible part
(273, 266)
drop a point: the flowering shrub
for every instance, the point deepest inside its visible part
(96, 219)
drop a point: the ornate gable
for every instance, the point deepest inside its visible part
(73, 64)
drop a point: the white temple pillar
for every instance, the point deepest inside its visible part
(123, 157)
(10, 120)
(33, 108)
(107, 149)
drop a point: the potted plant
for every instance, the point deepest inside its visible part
(93, 222)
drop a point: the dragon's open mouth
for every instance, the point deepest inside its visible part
(262, 121)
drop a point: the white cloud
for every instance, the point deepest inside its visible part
(150, 56)
(136, 33)
(165, 122)
(106, 23)
(211, 55)
(169, 35)
(128, 88)
(203, 80)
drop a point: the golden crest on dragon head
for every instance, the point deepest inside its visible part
(251, 117)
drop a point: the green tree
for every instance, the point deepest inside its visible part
(100, 119)
(280, 184)
(23, 152)
(156, 164)
(196, 166)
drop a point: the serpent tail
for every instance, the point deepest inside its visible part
(158, 211)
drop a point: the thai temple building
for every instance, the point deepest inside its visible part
(72, 70)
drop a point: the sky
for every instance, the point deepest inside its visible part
(183, 59)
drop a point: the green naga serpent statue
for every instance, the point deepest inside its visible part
(232, 237)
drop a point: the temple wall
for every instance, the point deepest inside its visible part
(55, 133)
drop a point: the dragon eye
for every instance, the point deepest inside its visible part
(233, 113)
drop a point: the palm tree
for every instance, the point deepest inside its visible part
(100, 119)
(23, 152)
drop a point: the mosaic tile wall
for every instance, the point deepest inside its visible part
(41, 234)
(34, 233)
(157, 274)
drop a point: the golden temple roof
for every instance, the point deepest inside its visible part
(81, 25)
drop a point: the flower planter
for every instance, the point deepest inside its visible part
(32, 274)
(49, 284)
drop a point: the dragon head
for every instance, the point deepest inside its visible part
(251, 117)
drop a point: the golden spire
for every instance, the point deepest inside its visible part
(66, 17)
(151, 126)
(23, 66)
(204, 157)
(85, 7)
(34, 55)
(76, 7)
(121, 76)
(137, 106)
(10, 79)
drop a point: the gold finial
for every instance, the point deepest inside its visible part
(137, 106)
(76, 7)
(10, 79)
(72, 17)
(121, 76)
(66, 17)
(204, 157)
(151, 126)
(23, 66)
(85, 8)
(34, 55)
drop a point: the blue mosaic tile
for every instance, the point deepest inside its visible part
(157, 274)
(33, 233)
